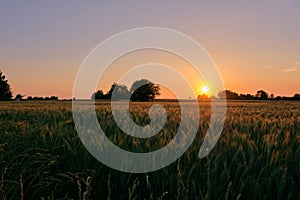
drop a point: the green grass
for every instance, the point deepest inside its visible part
(256, 157)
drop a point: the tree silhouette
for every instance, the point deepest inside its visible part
(19, 97)
(296, 97)
(120, 92)
(5, 91)
(98, 95)
(203, 97)
(228, 94)
(247, 97)
(144, 90)
(262, 95)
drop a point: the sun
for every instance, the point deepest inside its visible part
(204, 89)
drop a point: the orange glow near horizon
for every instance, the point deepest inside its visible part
(253, 47)
(126, 63)
(203, 89)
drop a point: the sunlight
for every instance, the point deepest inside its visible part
(204, 89)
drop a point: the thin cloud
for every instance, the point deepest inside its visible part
(291, 69)
(269, 67)
(297, 63)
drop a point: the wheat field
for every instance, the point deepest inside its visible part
(256, 157)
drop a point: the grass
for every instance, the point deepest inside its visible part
(256, 157)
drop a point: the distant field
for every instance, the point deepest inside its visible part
(256, 157)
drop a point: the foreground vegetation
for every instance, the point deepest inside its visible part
(256, 157)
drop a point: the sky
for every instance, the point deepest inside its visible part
(254, 44)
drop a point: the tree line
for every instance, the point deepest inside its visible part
(141, 90)
(260, 95)
(6, 93)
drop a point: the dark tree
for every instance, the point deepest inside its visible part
(202, 97)
(120, 92)
(98, 95)
(262, 95)
(55, 98)
(296, 97)
(37, 98)
(19, 97)
(144, 90)
(247, 97)
(228, 94)
(5, 91)
(222, 94)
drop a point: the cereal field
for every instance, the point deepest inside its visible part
(256, 157)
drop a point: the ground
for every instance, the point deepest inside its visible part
(256, 157)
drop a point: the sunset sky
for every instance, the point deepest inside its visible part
(255, 44)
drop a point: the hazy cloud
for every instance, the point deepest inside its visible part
(269, 67)
(297, 63)
(291, 69)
